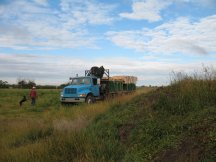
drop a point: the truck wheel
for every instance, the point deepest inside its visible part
(89, 99)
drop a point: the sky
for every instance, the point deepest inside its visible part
(49, 41)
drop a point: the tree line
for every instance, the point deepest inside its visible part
(23, 83)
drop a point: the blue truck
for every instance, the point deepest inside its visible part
(95, 85)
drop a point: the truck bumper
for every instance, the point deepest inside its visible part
(73, 100)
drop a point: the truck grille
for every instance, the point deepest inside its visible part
(70, 90)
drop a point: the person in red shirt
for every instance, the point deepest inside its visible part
(33, 95)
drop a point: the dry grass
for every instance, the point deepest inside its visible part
(28, 133)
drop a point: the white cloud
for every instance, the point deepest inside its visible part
(146, 10)
(46, 69)
(81, 12)
(36, 25)
(150, 10)
(181, 36)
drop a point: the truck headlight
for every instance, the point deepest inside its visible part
(82, 95)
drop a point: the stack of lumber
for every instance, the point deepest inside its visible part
(125, 79)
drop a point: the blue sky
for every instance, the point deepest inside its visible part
(49, 41)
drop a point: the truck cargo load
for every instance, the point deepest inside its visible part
(125, 79)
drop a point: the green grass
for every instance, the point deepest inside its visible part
(151, 124)
(173, 123)
(47, 131)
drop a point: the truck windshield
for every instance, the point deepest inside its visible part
(78, 81)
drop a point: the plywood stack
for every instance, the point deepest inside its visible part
(126, 79)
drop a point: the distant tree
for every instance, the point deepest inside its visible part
(31, 83)
(3, 84)
(22, 83)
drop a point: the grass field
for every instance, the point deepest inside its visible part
(173, 123)
(29, 133)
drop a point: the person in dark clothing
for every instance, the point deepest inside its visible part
(23, 100)
(33, 95)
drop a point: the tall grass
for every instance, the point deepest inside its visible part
(47, 131)
(189, 92)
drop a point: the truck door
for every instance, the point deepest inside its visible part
(95, 87)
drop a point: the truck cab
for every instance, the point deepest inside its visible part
(81, 89)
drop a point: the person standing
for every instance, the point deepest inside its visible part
(33, 95)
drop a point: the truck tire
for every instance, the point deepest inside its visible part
(89, 99)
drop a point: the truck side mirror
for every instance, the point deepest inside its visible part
(98, 81)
